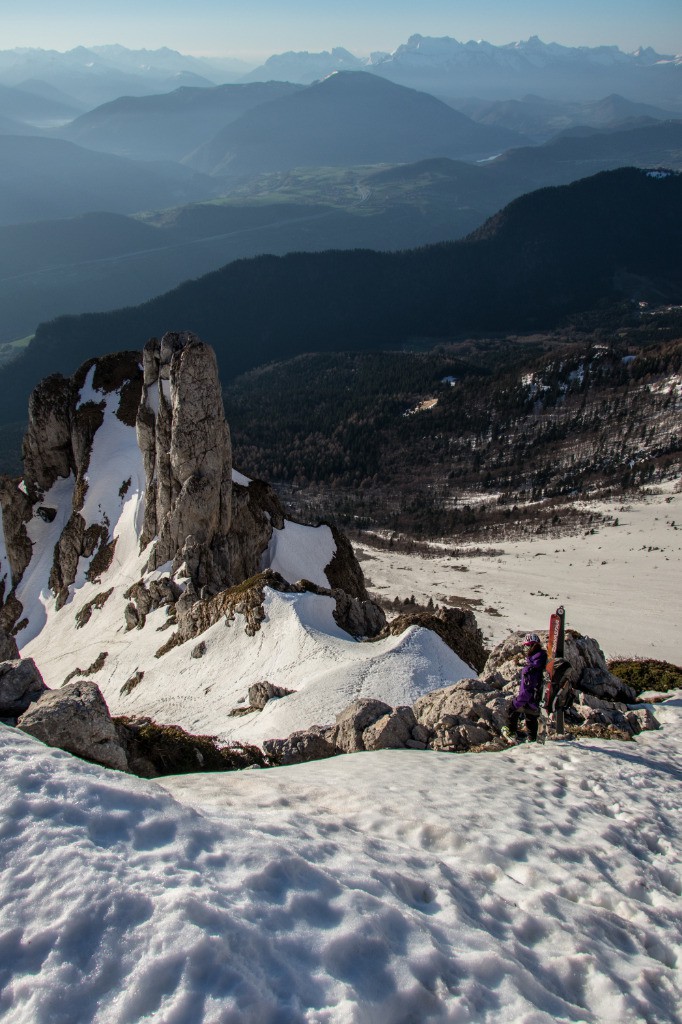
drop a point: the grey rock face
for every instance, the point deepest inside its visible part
(76, 718)
(47, 448)
(392, 731)
(16, 511)
(353, 720)
(58, 443)
(256, 511)
(8, 647)
(185, 444)
(20, 685)
(260, 693)
(312, 744)
(457, 627)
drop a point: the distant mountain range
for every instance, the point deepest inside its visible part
(92, 75)
(169, 126)
(546, 255)
(43, 178)
(541, 119)
(89, 76)
(101, 261)
(447, 67)
(347, 119)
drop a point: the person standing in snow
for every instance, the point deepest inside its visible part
(527, 700)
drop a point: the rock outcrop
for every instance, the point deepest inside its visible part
(58, 443)
(457, 627)
(154, 750)
(470, 714)
(208, 532)
(261, 692)
(20, 685)
(590, 672)
(76, 718)
(195, 616)
(185, 443)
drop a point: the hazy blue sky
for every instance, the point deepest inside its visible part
(257, 28)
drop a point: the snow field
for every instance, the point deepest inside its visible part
(621, 585)
(299, 646)
(535, 885)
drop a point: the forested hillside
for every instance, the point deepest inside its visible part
(547, 255)
(405, 440)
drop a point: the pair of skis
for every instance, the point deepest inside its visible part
(557, 688)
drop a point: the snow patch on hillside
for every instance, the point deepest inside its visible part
(300, 553)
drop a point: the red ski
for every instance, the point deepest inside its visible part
(557, 687)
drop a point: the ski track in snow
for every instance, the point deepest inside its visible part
(536, 885)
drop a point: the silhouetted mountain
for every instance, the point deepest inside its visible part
(305, 67)
(587, 151)
(43, 178)
(98, 263)
(347, 119)
(546, 255)
(168, 126)
(541, 119)
(28, 108)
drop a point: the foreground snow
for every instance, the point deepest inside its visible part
(535, 885)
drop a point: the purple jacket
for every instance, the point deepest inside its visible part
(530, 689)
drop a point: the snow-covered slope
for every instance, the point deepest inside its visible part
(535, 885)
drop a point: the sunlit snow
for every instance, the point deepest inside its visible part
(534, 885)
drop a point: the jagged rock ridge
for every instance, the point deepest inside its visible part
(131, 526)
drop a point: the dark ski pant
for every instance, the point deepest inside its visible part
(531, 721)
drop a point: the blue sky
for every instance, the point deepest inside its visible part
(256, 28)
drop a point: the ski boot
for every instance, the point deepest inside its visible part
(507, 735)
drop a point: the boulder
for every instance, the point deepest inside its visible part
(391, 731)
(76, 718)
(260, 693)
(471, 700)
(307, 745)
(357, 617)
(642, 720)
(20, 684)
(467, 714)
(353, 720)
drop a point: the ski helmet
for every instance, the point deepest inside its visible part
(530, 638)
